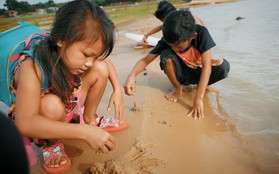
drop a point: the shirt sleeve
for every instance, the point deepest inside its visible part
(204, 40)
(161, 45)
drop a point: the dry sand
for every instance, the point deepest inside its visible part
(160, 137)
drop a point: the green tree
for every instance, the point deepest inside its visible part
(2, 11)
(11, 4)
(50, 3)
(24, 7)
(20, 7)
(39, 5)
(99, 2)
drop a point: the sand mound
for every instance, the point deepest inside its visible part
(137, 160)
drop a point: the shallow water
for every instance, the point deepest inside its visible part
(250, 95)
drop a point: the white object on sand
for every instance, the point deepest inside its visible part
(152, 41)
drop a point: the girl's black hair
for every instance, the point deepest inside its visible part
(178, 26)
(76, 21)
(163, 9)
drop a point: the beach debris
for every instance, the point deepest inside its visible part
(239, 18)
(136, 160)
(136, 107)
(162, 122)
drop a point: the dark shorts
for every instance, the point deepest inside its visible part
(186, 75)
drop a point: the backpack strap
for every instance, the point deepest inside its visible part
(28, 40)
(27, 44)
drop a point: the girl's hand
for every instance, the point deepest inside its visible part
(130, 86)
(197, 110)
(99, 139)
(116, 99)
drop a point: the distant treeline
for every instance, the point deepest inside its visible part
(22, 7)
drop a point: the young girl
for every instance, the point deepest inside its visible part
(72, 58)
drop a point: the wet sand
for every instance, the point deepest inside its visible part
(160, 137)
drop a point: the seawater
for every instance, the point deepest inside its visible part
(249, 97)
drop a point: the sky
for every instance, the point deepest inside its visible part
(2, 2)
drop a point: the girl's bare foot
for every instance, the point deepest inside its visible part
(174, 95)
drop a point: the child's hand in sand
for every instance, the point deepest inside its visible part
(130, 86)
(99, 139)
(197, 110)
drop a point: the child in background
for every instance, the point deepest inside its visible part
(163, 8)
(185, 57)
(72, 58)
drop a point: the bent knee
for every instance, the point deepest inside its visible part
(100, 69)
(219, 72)
(52, 107)
(225, 66)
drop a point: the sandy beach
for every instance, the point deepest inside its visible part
(161, 139)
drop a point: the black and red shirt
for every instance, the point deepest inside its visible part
(192, 56)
